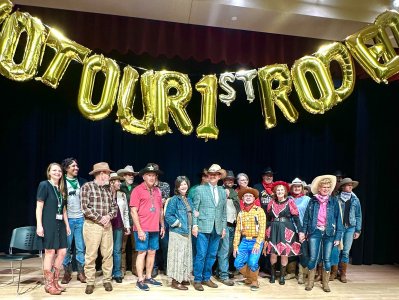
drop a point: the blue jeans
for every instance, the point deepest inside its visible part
(245, 255)
(151, 241)
(223, 256)
(320, 242)
(207, 247)
(117, 253)
(338, 256)
(76, 225)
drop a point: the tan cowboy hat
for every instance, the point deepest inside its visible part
(242, 192)
(100, 167)
(314, 187)
(115, 176)
(127, 170)
(346, 181)
(217, 169)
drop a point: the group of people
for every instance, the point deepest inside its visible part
(204, 230)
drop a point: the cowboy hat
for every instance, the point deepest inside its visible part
(242, 192)
(314, 186)
(115, 176)
(268, 170)
(151, 168)
(127, 170)
(283, 183)
(230, 175)
(297, 181)
(217, 169)
(346, 181)
(100, 167)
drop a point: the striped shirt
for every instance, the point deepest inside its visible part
(251, 224)
(97, 201)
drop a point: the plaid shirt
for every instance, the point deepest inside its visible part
(97, 201)
(251, 224)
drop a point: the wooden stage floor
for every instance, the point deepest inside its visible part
(364, 282)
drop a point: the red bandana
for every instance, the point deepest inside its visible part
(268, 187)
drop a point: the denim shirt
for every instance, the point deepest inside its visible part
(176, 215)
(334, 225)
(355, 212)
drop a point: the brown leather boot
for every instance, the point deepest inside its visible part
(310, 281)
(301, 274)
(178, 286)
(254, 280)
(49, 283)
(56, 278)
(81, 274)
(67, 274)
(319, 272)
(334, 271)
(326, 280)
(344, 266)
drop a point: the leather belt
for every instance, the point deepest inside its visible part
(249, 237)
(281, 219)
(231, 224)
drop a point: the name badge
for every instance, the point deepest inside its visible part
(58, 216)
(152, 209)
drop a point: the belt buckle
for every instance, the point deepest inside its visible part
(248, 238)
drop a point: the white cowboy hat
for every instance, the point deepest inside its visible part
(315, 183)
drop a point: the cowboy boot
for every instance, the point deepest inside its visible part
(81, 274)
(334, 271)
(254, 280)
(301, 274)
(326, 280)
(245, 272)
(319, 272)
(344, 266)
(310, 281)
(49, 286)
(67, 274)
(291, 270)
(273, 274)
(282, 274)
(56, 278)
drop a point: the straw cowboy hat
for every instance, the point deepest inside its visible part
(314, 186)
(127, 170)
(100, 167)
(247, 190)
(217, 169)
(115, 176)
(346, 181)
(151, 168)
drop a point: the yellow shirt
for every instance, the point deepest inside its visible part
(251, 224)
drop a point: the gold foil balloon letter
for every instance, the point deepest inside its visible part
(13, 27)
(275, 86)
(207, 86)
(110, 69)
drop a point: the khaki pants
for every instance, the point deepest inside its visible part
(134, 253)
(96, 236)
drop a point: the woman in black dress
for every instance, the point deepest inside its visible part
(281, 233)
(52, 225)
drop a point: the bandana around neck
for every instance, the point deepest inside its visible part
(322, 199)
(247, 208)
(73, 182)
(345, 196)
(268, 187)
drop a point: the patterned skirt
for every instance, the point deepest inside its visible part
(180, 257)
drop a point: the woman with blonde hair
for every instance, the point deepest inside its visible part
(52, 225)
(323, 227)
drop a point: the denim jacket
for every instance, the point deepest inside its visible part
(355, 212)
(334, 225)
(176, 215)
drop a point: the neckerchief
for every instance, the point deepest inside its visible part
(73, 182)
(247, 208)
(268, 187)
(344, 196)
